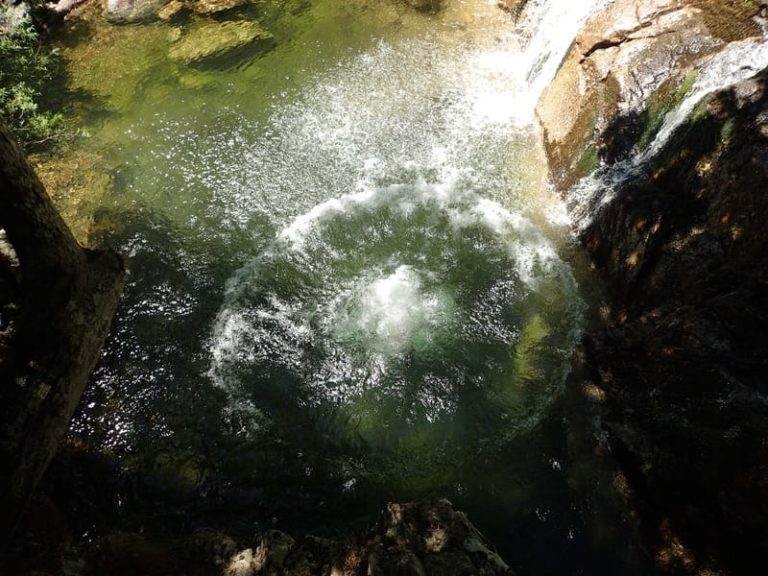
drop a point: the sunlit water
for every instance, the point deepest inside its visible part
(348, 282)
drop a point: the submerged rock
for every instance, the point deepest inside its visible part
(213, 6)
(426, 5)
(130, 11)
(215, 43)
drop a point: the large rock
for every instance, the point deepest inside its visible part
(682, 368)
(218, 42)
(632, 54)
(427, 538)
(680, 371)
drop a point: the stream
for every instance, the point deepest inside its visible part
(348, 281)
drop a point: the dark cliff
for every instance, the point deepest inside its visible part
(681, 367)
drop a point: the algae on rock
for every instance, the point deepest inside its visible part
(215, 43)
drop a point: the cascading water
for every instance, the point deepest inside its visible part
(735, 62)
(545, 37)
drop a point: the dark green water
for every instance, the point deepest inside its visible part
(348, 284)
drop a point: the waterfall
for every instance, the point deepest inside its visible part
(737, 61)
(546, 33)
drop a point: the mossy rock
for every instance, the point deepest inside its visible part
(214, 43)
(661, 103)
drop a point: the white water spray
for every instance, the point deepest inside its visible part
(546, 35)
(406, 261)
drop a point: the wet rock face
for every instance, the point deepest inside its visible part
(633, 53)
(684, 365)
(681, 370)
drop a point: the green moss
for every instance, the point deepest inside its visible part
(728, 127)
(686, 85)
(584, 147)
(700, 110)
(589, 160)
(661, 103)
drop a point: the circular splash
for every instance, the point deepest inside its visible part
(401, 306)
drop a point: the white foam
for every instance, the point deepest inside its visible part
(389, 310)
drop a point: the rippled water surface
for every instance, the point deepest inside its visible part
(348, 283)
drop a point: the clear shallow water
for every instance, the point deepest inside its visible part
(348, 283)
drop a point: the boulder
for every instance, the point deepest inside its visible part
(429, 538)
(214, 43)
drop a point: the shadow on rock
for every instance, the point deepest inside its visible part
(683, 365)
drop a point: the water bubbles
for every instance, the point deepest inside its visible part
(390, 313)
(393, 303)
